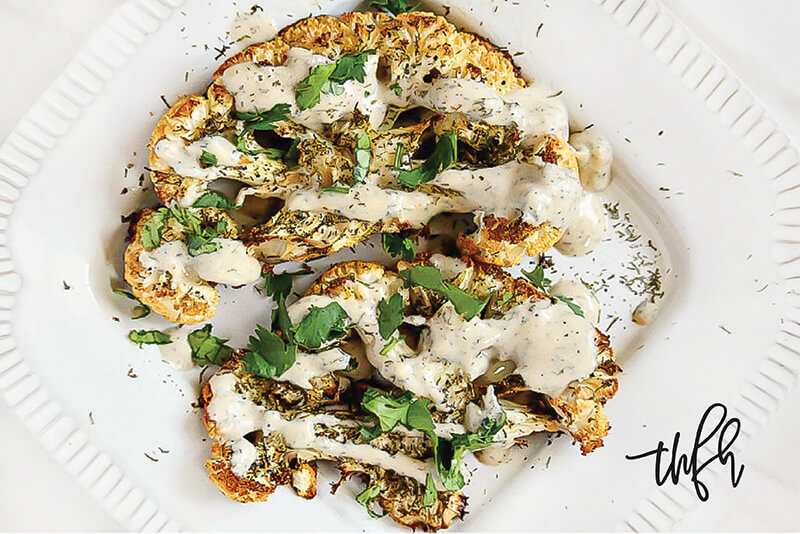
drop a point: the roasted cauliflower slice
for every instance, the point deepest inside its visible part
(412, 46)
(166, 277)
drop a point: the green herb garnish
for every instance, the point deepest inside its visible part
(336, 189)
(208, 349)
(430, 491)
(208, 158)
(395, 7)
(405, 409)
(399, 245)
(321, 325)
(363, 155)
(292, 156)
(429, 277)
(276, 285)
(203, 242)
(392, 342)
(390, 315)
(443, 156)
(398, 155)
(139, 311)
(329, 78)
(264, 120)
(450, 453)
(153, 228)
(365, 498)
(269, 356)
(149, 337)
(395, 87)
(212, 199)
(537, 278)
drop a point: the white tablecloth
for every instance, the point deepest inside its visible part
(758, 39)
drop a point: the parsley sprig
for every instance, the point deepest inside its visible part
(321, 325)
(444, 154)
(429, 277)
(537, 278)
(329, 79)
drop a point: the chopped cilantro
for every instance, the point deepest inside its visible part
(390, 315)
(442, 157)
(366, 497)
(537, 278)
(264, 120)
(149, 337)
(269, 356)
(141, 310)
(430, 491)
(153, 228)
(321, 325)
(395, 7)
(212, 199)
(429, 277)
(208, 349)
(399, 245)
(363, 154)
(328, 78)
(208, 158)
(336, 189)
(395, 87)
(292, 156)
(276, 285)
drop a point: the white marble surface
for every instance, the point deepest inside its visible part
(757, 39)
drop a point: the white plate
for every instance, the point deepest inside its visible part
(628, 66)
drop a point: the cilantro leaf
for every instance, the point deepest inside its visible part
(307, 91)
(203, 242)
(363, 155)
(571, 303)
(141, 310)
(365, 498)
(537, 277)
(329, 77)
(393, 6)
(321, 325)
(212, 199)
(390, 315)
(186, 218)
(395, 87)
(280, 318)
(149, 337)
(269, 355)
(430, 491)
(208, 158)
(388, 410)
(276, 285)
(153, 228)
(208, 349)
(449, 454)
(399, 245)
(264, 120)
(429, 277)
(443, 156)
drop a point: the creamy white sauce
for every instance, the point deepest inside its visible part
(645, 312)
(529, 108)
(185, 159)
(178, 353)
(252, 28)
(235, 416)
(581, 295)
(550, 345)
(259, 87)
(229, 265)
(594, 160)
(586, 230)
(313, 365)
(536, 193)
(244, 454)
